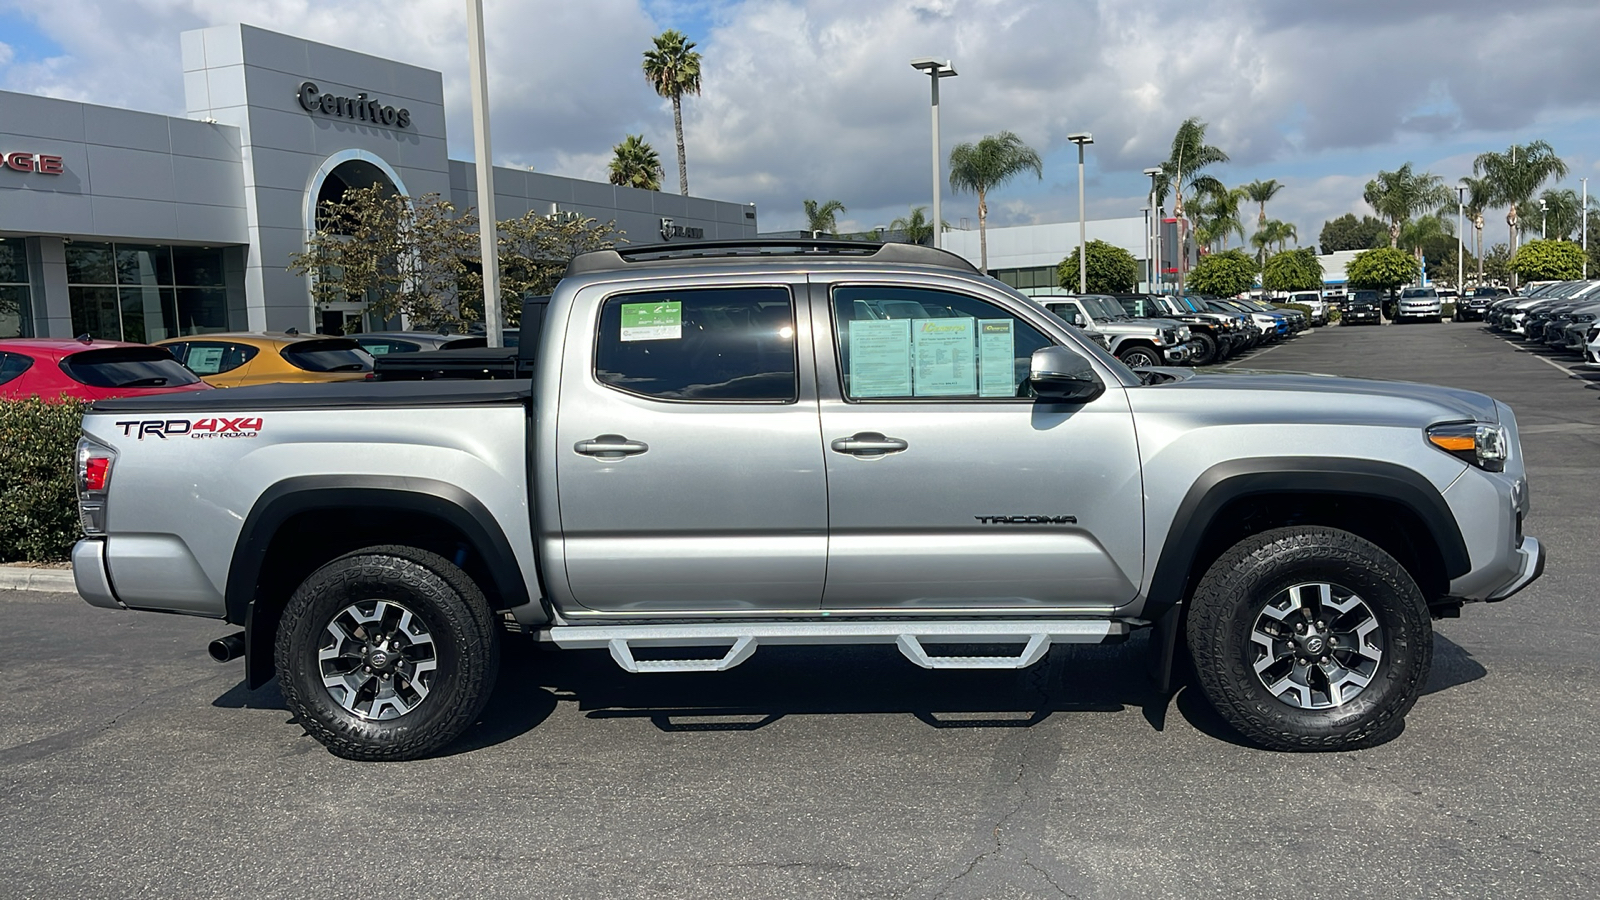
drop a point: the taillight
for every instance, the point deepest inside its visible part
(94, 478)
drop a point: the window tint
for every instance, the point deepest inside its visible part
(12, 365)
(386, 346)
(732, 344)
(127, 367)
(902, 343)
(214, 357)
(333, 355)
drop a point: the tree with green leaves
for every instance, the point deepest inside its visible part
(1292, 270)
(673, 69)
(1547, 261)
(1478, 196)
(1225, 274)
(1109, 269)
(1399, 195)
(1349, 233)
(1515, 175)
(1217, 218)
(916, 227)
(1259, 192)
(1497, 264)
(634, 163)
(1558, 219)
(1273, 233)
(1426, 236)
(822, 218)
(534, 252)
(1383, 269)
(980, 168)
(1184, 176)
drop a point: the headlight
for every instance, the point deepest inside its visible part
(1484, 446)
(1184, 333)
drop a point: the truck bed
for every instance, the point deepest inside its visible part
(338, 395)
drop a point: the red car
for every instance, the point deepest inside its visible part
(79, 369)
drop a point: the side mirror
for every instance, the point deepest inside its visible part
(1058, 375)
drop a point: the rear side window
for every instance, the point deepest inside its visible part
(12, 365)
(127, 367)
(384, 346)
(332, 355)
(712, 344)
(212, 357)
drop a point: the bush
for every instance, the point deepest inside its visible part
(1301, 307)
(1447, 309)
(38, 493)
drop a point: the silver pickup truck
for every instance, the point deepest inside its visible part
(728, 446)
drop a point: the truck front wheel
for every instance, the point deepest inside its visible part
(388, 653)
(1310, 638)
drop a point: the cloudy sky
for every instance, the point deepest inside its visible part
(815, 98)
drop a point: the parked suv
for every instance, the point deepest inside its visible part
(1213, 337)
(1137, 342)
(1318, 306)
(1419, 304)
(729, 446)
(1362, 308)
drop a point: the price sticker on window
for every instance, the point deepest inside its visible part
(652, 321)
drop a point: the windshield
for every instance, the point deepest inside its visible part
(334, 355)
(1103, 307)
(127, 367)
(1363, 297)
(1417, 292)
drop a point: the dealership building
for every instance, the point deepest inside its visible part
(137, 226)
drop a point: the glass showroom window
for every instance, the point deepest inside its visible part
(16, 310)
(145, 292)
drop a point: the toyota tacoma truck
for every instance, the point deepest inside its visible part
(726, 446)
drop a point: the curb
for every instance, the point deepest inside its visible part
(21, 578)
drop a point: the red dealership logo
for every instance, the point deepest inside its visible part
(42, 163)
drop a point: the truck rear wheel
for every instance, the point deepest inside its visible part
(1310, 638)
(388, 653)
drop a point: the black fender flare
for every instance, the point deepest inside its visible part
(294, 496)
(1228, 481)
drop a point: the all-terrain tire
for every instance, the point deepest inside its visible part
(442, 599)
(1136, 357)
(1233, 594)
(1208, 350)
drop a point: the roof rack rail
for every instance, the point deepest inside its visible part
(685, 252)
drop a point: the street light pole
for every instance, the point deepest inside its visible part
(935, 71)
(1155, 229)
(1544, 218)
(1461, 247)
(1583, 213)
(1082, 138)
(488, 231)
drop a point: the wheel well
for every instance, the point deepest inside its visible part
(1393, 526)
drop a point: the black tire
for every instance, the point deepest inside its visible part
(462, 640)
(1232, 599)
(1135, 357)
(1207, 349)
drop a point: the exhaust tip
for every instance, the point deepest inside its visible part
(227, 648)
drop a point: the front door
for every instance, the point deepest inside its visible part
(688, 456)
(948, 486)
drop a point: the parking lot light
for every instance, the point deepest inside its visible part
(935, 69)
(1082, 138)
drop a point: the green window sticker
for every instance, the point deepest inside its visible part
(652, 321)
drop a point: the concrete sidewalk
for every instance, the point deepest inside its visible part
(33, 578)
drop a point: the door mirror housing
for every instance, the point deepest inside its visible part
(1058, 375)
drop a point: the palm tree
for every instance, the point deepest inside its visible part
(986, 165)
(1274, 232)
(1401, 194)
(1559, 217)
(1182, 175)
(916, 227)
(822, 218)
(1260, 192)
(634, 163)
(1418, 232)
(1478, 197)
(1217, 217)
(673, 69)
(1514, 175)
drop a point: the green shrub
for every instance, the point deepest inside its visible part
(1333, 314)
(1304, 309)
(38, 491)
(1447, 309)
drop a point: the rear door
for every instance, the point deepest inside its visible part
(689, 461)
(948, 486)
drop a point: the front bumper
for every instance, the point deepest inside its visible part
(1530, 566)
(89, 573)
(1179, 354)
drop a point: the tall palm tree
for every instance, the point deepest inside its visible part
(1183, 174)
(986, 165)
(1478, 197)
(1259, 192)
(1418, 232)
(673, 69)
(634, 163)
(916, 227)
(823, 218)
(1515, 175)
(1217, 217)
(1559, 218)
(1402, 194)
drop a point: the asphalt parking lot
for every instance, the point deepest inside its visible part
(131, 765)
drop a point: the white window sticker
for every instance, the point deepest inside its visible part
(944, 365)
(205, 360)
(997, 358)
(652, 321)
(880, 357)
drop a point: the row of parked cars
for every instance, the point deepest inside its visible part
(86, 368)
(1160, 329)
(1562, 315)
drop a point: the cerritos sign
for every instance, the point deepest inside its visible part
(42, 163)
(360, 107)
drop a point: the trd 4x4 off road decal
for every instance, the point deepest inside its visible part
(216, 427)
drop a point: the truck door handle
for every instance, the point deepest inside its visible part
(610, 446)
(868, 443)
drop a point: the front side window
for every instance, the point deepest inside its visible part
(710, 344)
(914, 343)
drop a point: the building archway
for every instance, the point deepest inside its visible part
(344, 171)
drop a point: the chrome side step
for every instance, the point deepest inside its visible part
(742, 638)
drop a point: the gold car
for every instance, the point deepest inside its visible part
(239, 358)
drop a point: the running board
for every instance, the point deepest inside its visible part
(742, 639)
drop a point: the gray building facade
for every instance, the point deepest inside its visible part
(136, 226)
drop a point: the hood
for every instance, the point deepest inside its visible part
(1452, 403)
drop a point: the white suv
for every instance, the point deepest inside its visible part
(1419, 304)
(1319, 306)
